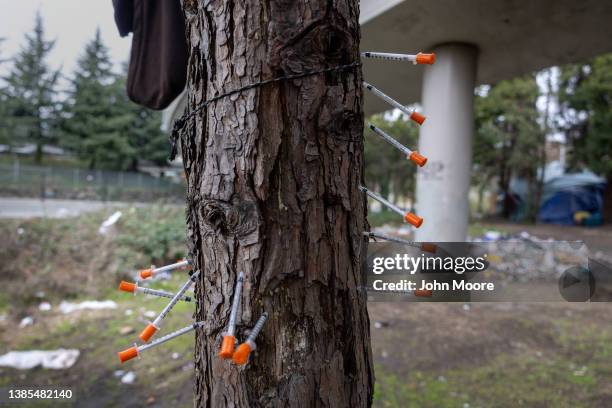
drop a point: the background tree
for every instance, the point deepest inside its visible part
(91, 123)
(101, 125)
(509, 140)
(31, 93)
(585, 95)
(4, 109)
(142, 127)
(273, 176)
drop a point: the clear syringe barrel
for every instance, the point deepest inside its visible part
(258, 326)
(389, 56)
(419, 58)
(387, 98)
(169, 336)
(175, 299)
(171, 267)
(234, 312)
(391, 140)
(161, 293)
(382, 201)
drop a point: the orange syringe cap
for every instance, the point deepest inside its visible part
(127, 286)
(148, 332)
(146, 273)
(241, 355)
(227, 346)
(128, 354)
(428, 247)
(413, 219)
(417, 117)
(422, 58)
(418, 159)
(423, 293)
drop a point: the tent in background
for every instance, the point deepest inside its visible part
(572, 198)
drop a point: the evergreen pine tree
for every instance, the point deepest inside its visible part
(101, 125)
(30, 95)
(4, 111)
(90, 126)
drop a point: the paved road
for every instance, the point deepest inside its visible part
(32, 207)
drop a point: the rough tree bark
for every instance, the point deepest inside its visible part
(273, 177)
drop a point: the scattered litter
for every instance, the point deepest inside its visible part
(52, 359)
(492, 236)
(68, 307)
(580, 372)
(175, 356)
(40, 294)
(128, 378)
(466, 307)
(150, 314)
(126, 330)
(20, 231)
(384, 354)
(150, 400)
(118, 373)
(2, 317)
(26, 321)
(128, 312)
(442, 378)
(44, 307)
(381, 324)
(109, 222)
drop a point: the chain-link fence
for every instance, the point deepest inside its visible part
(21, 180)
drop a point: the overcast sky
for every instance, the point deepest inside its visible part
(71, 23)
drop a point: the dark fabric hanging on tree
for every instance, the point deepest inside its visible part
(158, 61)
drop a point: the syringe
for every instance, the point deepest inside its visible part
(152, 327)
(408, 216)
(229, 341)
(420, 58)
(241, 355)
(135, 351)
(415, 116)
(134, 288)
(410, 154)
(147, 273)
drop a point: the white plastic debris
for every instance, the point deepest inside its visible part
(492, 236)
(68, 307)
(26, 321)
(109, 222)
(150, 314)
(53, 359)
(44, 307)
(128, 378)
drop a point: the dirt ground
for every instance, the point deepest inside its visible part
(425, 354)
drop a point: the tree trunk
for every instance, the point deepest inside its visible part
(273, 177)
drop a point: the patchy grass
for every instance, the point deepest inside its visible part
(570, 368)
(98, 335)
(477, 229)
(70, 258)
(384, 218)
